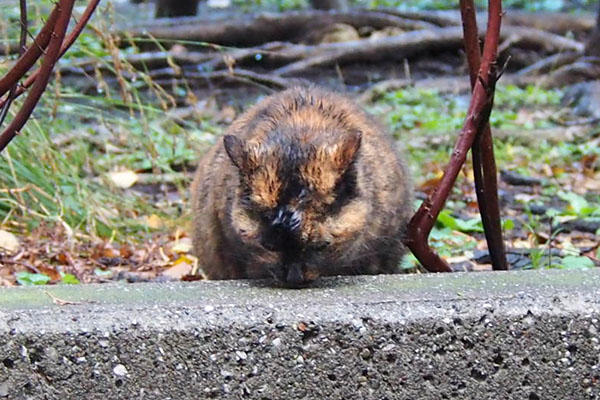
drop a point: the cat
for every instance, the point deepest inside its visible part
(304, 184)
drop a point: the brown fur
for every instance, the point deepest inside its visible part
(322, 160)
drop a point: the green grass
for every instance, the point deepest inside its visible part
(426, 110)
(436, 118)
(67, 183)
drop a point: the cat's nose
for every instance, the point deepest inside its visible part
(287, 219)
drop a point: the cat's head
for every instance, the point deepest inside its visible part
(289, 186)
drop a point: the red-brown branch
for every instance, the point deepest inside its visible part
(64, 47)
(65, 7)
(484, 163)
(85, 17)
(24, 25)
(470, 32)
(22, 48)
(30, 56)
(477, 117)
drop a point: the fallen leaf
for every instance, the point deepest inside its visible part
(28, 278)
(126, 251)
(177, 271)
(8, 241)
(430, 185)
(183, 245)
(153, 221)
(106, 250)
(179, 233)
(123, 179)
(521, 244)
(62, 258)
(556, 171)
(53, 274)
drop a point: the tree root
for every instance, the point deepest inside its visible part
(416, 42)
(259, 28)
(234, 75)
(579, 71)
(254, 29)
(270, 63)
(549, 63)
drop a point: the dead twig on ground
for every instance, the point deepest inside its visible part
(60, 302)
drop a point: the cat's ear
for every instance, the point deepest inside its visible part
(344, 151)
(236, 150)
(331, 161)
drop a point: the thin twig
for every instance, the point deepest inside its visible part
(60, 302)
(31, 55)
(52, 53)
(65, 46)
(22, 48)
(23, 263)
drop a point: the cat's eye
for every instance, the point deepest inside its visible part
(246, 198)
(303, 195)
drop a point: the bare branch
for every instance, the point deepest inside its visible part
(64, 47)
(22, 48)
(65, 7)
(477, 118)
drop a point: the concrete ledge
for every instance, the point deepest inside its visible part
(513, 335)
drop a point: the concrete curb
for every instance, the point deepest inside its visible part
(510, 335)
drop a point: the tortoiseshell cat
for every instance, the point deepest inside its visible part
(304, 184)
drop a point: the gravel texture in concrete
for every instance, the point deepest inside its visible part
(505, 335)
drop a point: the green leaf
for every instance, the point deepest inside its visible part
(552, 212)
(508, 224)
(447, 220)
(27, 279)
(69, 279)
(470, 225)
(577, 203)
(574, 262)
(409, 262)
